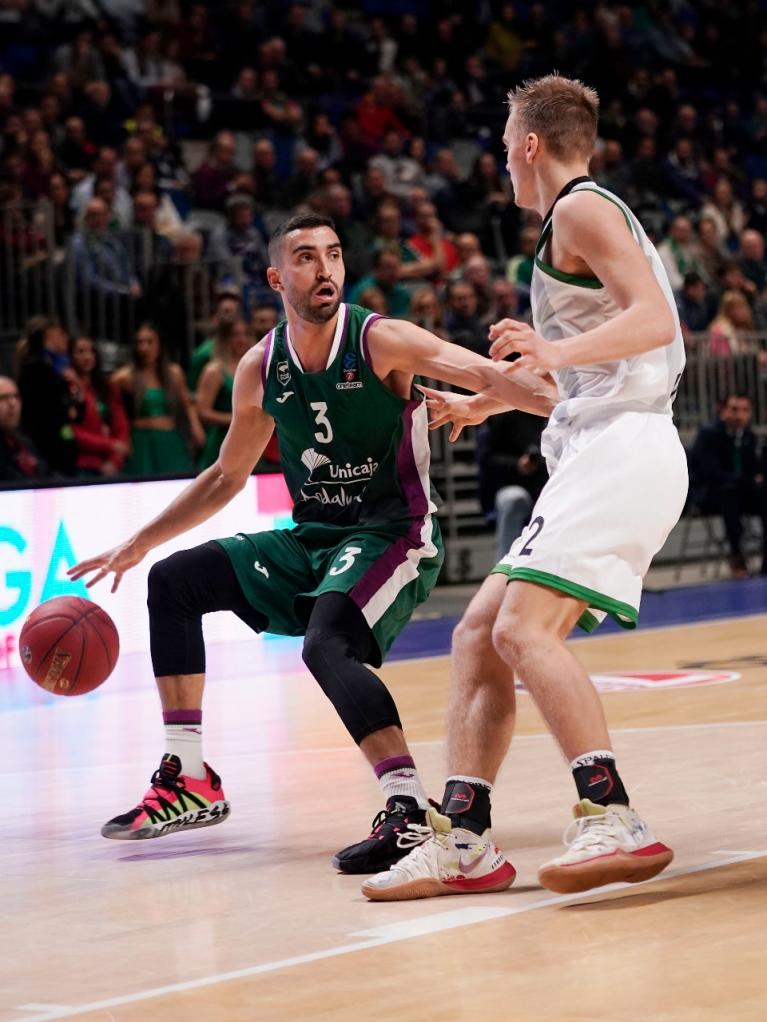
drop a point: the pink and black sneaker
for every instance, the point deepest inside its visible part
(174, 802)
(396, 830)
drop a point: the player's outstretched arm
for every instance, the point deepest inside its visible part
(594, 231)
(243, 445)
(398, 346)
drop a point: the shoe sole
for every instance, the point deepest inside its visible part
(617, 868)
(428, 887)
(190, 820)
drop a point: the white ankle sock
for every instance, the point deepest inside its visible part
(398, 776)
(185, 741)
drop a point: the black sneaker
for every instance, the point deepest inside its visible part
(401, 819)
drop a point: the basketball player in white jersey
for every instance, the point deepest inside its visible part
(605, 327)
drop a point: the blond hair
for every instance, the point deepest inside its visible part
(563, 112)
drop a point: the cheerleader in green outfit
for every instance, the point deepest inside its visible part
(214, 391)
(157, 400)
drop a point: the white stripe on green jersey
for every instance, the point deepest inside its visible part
(564, 305)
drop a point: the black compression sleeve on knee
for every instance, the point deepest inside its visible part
(338, 643)
(181, 588)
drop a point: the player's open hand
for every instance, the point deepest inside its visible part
(445, 407)
(115, 561)
(510, 336)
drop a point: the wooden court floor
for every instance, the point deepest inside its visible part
(248, 921)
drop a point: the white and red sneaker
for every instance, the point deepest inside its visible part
(446, 860)
(605, 845)
(174, 802)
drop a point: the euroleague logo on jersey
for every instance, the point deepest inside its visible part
(653, 681)
(349, 373)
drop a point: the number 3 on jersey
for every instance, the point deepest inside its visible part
(347, 560)
(325, 434)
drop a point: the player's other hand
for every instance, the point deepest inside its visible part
(115, 561)
(459, 410)
(509, 336)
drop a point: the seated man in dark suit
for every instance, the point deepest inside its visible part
(727, 476)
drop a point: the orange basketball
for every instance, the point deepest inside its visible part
(69, 645)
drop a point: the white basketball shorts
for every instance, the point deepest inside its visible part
(615, 491)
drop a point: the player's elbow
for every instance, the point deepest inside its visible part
(228, 478)
(663, 327)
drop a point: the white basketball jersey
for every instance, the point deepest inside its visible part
(564, 305)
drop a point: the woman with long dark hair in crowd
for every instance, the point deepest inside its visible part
(48, 389)
(214, 391)
(101, 431)
(157, 401)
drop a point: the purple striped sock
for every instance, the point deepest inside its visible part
(182, 717)
(393, 763)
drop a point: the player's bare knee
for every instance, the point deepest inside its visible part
(472, 635)
(513, 638)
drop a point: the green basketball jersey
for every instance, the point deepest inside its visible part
(351, 450)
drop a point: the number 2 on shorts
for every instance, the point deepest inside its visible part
(535, 528)
(347, 560)
(319, 408)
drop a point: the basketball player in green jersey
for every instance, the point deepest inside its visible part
(338, 382)
(605, 325)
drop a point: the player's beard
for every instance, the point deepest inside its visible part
(302, 304)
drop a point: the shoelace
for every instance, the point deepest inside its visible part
(595, 833)
(167, 783)
(422, 860)
(414, 835)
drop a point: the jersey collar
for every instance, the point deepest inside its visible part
(340, 324)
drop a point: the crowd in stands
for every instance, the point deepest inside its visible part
(148, 147)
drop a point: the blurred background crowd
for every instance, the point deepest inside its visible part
(148, 147)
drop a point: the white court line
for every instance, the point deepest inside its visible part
(431, 744)
(378, 937)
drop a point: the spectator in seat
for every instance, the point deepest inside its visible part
(306, 178)
(157, 401)
(757, 205)
(240, 240)
(427, 311)
(374, 299)
(212, 181)
(730, 332)
(401, 173)
(711, 253)
(386, 276)
(462, 322)
(438, 255)
(48, 389)
(19, 459)
(270, 187)
(214, 391)
(727, 476)
(727, 213)
(263, 318)
(101, 431)
(63, 219)
(751, 260)
(694, 304)
(103, 272)
(678, 252)
(353, 232)
(512, 472)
